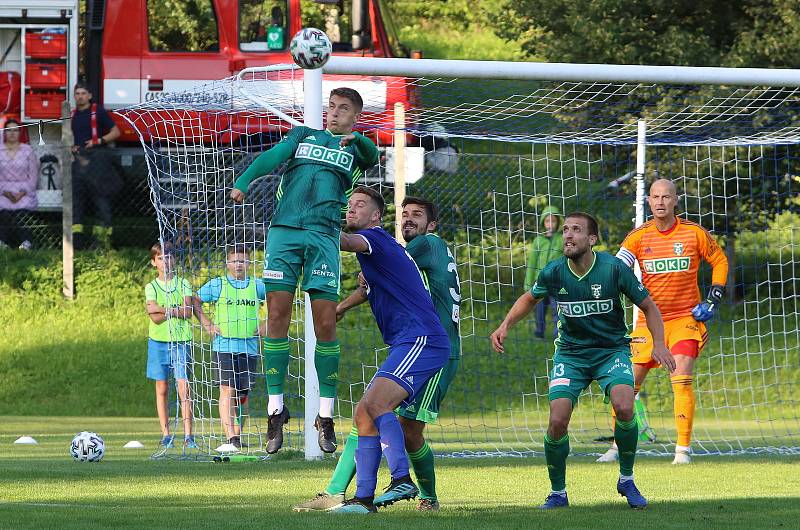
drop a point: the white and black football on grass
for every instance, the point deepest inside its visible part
(87, 447)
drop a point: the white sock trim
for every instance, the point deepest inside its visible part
(326, 407)
(625, 478)
(683, 449)
(275, 404)
(560, 492)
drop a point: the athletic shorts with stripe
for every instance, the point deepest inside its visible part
(573, 372)
(412, 364)
(676, 331)
(295, 253)
(425, 407)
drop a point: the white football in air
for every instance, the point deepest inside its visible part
(310, 48)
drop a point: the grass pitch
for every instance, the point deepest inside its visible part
(43, 488)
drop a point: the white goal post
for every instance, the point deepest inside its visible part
(502, 142)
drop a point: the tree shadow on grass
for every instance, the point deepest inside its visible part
(273, 509)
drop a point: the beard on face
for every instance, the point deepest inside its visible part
(410, 231)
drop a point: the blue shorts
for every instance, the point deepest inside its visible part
(412, 364)
(161, 356)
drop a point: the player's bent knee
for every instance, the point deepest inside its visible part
(621, 395)
(557, 430)
(557, 427)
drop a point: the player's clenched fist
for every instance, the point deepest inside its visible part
(237, 195)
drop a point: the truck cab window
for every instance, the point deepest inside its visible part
(336, 20)
(186, 26)
(263, 25)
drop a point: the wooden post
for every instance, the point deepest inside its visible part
(67, 251)
(399, 169)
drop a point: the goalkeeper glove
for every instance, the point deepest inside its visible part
(705, 310)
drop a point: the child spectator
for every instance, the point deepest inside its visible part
(169, 304)
(237, 298)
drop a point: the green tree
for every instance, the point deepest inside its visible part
(749, 33)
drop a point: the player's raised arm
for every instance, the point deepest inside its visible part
(368, 154)
(521, 308)
(264, 164)
(354, 243)
(656, 326)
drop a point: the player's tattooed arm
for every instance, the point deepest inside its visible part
(521, 308)
(655, 323)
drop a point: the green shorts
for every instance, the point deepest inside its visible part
(573, 372)
(293, 253)
(425, 407)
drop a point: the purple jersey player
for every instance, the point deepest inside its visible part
(418, 348)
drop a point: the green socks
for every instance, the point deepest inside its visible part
(626, 434)
(422, 462)
(345, 467)
(326, 361)
(555, 453)
(276, 362)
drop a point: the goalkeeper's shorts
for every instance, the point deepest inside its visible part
(676, 332)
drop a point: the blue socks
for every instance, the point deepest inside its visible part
(393, 442)
(368, 459)
(368, 455)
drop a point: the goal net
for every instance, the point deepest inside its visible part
(493, 155)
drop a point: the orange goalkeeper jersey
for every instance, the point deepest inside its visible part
(669, 262)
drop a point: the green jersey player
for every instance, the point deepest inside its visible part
(438, 267)
(592, 344)
(303, 242)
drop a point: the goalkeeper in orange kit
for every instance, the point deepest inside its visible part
(669, 251)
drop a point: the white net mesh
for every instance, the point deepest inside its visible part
(493, 155)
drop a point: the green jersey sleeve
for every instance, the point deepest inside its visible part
(267, 161)
(367, 153)
(420, 249)
(540, 287)
(629, 285)
(149, 292)
(187, 288)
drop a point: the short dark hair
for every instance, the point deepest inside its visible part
(237, 248)
(430, 208)
(352, 95)
(591, 222)
(376, 197)
(10, 121)
(81, 84)
(156, 249)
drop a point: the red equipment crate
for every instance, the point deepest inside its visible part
(43, 75)
(44, 104)
(46, 45)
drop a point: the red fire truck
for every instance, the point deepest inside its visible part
(135, 51)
